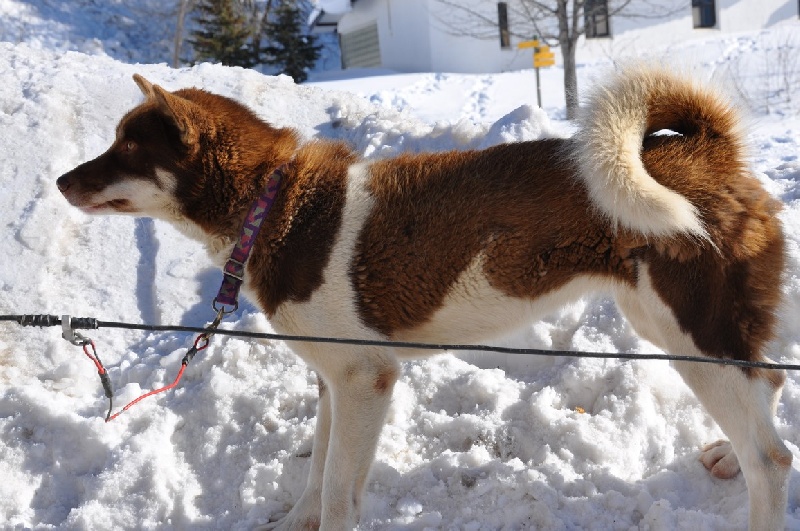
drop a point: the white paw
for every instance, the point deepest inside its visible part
(295, 520)
(283, 525)
(273, 525)
(720, 459)
(266, 527)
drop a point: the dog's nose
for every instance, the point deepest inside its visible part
(63, 183)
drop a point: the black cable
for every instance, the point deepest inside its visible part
(81, 323)
(84, 323)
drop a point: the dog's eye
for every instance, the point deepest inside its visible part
(129, 146)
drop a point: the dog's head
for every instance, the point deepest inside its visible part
(176, 153)
(155, 142)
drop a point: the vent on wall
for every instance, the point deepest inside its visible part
(360, 48)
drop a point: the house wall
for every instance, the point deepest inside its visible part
(403, 31)
(637, 36)
(413, 37)
(470, 54)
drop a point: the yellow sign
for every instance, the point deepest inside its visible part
(542, 56)
(541, 59)
(528, 44)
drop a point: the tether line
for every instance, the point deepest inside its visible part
(91, 323)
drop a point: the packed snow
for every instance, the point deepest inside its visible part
(472, 441)
(138, 30)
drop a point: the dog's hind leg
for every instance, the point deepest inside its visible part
(742, 404)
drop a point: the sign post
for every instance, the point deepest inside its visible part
(542, 58)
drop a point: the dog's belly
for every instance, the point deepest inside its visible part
(472, 309)
(475, 311)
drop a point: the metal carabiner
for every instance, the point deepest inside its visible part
(222, 307)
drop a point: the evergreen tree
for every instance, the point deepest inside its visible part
(223, 34)
(289, 48)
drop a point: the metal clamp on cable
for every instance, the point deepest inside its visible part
(69, 333)
(77, 339)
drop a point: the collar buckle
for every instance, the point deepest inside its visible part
(234, 268)
(233, 271)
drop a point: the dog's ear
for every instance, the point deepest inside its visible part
(145, 86)
(182, 112)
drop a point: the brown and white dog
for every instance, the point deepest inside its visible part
(464, 246)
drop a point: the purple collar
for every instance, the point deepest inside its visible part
(233, 272)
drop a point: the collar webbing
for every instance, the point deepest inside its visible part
(233, 272)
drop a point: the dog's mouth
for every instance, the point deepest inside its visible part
(117, 205)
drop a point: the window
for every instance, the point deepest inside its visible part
(502, 23)
(596, 16)
(704, 13)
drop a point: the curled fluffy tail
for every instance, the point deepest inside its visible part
(618, 115)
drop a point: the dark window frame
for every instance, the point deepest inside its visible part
(704, 14)
(596, 20)
(502, 24)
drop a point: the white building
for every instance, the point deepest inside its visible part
(420, 35)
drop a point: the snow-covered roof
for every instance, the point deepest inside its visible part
(339, 7)
(327, 14)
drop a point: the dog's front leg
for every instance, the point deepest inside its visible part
(307, 512)
(360, 391)
(355, 393)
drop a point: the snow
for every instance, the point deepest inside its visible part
(333, 6)
(139, 30)
(473, 442)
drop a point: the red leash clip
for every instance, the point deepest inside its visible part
(200, 343)
(76, 338)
